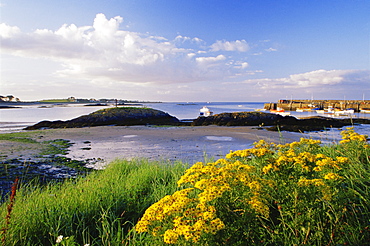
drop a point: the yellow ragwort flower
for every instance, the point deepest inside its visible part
(170, 236)
(332, 176)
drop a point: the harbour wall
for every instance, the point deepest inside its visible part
(292, 105)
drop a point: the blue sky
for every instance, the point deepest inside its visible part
(185, 50)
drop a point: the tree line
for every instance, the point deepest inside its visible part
(9, 98)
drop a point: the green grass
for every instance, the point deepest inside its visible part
(55, 101)
(97, 210)
(32, 141)
(55, 147)
(267, 195)
(17, 137)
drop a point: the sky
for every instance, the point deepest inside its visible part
(185, 51)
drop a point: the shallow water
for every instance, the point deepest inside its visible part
(18, 118)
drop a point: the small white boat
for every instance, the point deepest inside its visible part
(306, 109)
(336, 112)
(344, 112)
(321, 111)
(205, 111)
(279, 111)
(365, 111)
(329, 110)
(283, 113)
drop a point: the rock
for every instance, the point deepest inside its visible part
(124, 116)
(121, 116)
(316, 123)
(275, 121)
(240, 119)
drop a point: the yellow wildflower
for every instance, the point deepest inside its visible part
(260, 143)
(208, 215)
(342, 159)
(332, 176)
(142, 226)
(307, 182)
(317, 169)
(344, 141)
(259, 206)
(199, 225)
(267, 168)
(350, 135)
(294, 145)
(170, 236)
(254, 186)
(282, 160)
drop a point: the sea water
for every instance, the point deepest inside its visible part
(15, 119)
(190, 110)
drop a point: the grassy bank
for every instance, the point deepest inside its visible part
(301, 193)
(97, 210)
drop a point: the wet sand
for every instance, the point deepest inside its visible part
(188, 144)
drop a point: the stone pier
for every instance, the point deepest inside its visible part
(292, 105)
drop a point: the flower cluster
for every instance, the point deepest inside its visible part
(189, 217)
(350, 135)
(246, 182)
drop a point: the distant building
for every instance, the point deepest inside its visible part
(72, 99)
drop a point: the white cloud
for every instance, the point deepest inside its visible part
(320, 84)
(104, 27)
(323, 84)
(210, 59)
(271, 49)
(190, 55)
(183, 39)
(238, 45)
(315, 79)
(105, 51)
(8, 31)
(241, 65)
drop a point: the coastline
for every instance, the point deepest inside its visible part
(188, 144)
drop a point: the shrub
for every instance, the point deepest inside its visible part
(291, 194)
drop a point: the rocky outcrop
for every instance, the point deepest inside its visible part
(121, 116)
(124, 116)
(275, 122)
(316, 123)
(239, 119)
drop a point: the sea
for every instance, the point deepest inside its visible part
(15, 119)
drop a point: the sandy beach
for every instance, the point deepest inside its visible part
(188, 144)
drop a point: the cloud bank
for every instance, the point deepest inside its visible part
(237, 45)
(133, 65)
(323, 84)
(104, 51)
(316, 79)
